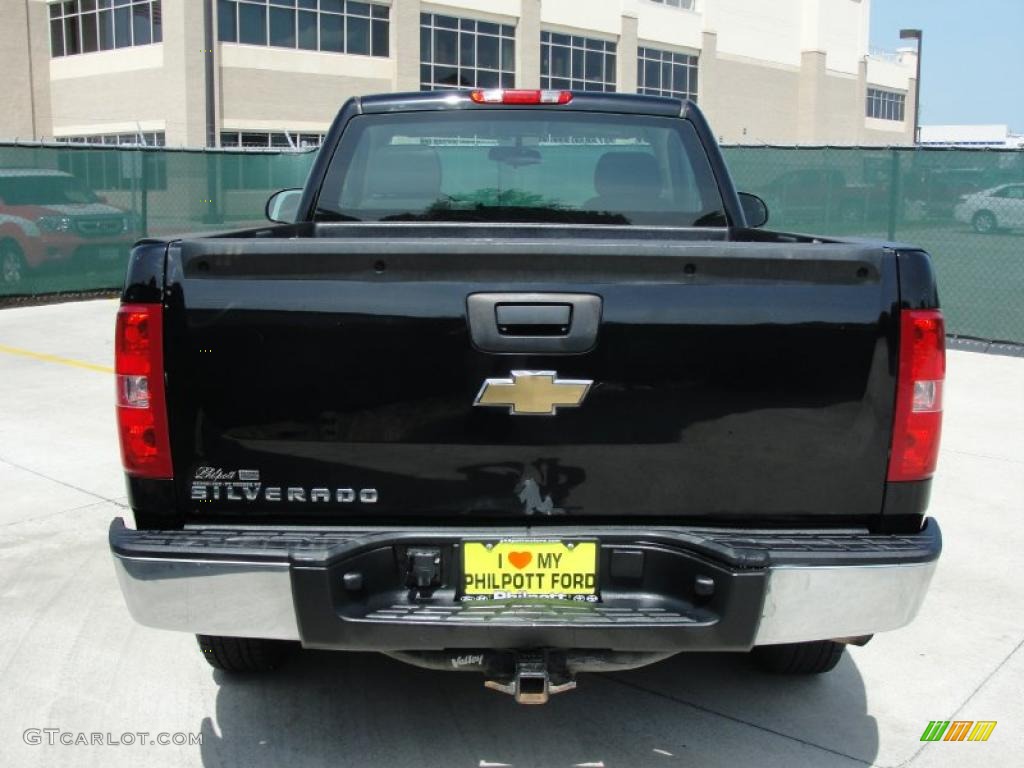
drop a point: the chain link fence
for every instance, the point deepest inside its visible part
(965, 207)
(69, 214)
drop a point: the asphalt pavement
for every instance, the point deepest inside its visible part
(75, 668)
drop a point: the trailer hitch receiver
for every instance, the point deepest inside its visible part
(531, 682)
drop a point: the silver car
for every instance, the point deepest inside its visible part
(993, 209)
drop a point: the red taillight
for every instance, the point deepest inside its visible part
(141, 407)
(520, 96)
(922, 371)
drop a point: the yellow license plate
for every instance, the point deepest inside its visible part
(510, 569)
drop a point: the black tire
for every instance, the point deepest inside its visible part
(984, 223)
(12, 264)
(243, 654)
(799, 658)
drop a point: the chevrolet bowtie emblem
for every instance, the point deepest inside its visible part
(533, 393)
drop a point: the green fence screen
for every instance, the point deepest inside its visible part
(965, 207)
(69, 214)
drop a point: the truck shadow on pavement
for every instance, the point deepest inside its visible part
(347, 709)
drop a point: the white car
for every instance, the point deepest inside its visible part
(993, 209)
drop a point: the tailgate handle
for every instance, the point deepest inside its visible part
(534, 323)
(533, 319)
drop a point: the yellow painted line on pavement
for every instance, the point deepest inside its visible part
(55, 359)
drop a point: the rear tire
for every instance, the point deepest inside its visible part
(799, 658)
(243, 654)
(984, 223)
(12, 264)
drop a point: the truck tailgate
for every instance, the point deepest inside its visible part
(333, 377)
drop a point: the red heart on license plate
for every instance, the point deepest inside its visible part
(520, 559)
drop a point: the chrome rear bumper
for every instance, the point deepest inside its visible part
(233, 598)
(213, 593)
(822, 603)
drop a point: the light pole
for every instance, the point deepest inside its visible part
(916, 34)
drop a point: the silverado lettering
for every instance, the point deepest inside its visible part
(203, 491)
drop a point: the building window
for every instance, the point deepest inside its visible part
(87, 26)
(685, 4)
(270, 139)
(334, 26)
(264, 170)
(109, 170)
(664, 73)
(578, 63)
(886, 105)
(465, 53)
(143, 139)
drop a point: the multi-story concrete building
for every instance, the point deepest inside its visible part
(273, 72)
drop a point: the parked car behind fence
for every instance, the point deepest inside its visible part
(49, 216)
(993, 209)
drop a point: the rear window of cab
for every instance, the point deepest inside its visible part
(521, 165)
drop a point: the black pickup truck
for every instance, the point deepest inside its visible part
(518, 385)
